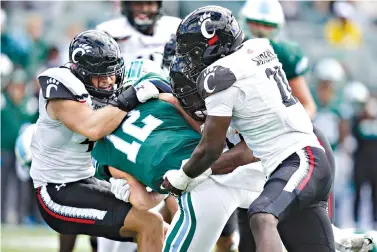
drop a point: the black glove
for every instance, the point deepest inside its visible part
(126, 100)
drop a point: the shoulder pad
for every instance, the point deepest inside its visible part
(117, 28)
(214, 79)
(61, 83)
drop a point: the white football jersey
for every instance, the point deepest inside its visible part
(59, 155)
(134, 44)
(251, 86)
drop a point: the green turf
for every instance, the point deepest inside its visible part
(35, 239)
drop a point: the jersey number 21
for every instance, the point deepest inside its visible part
(140, 134)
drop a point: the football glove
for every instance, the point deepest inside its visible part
(175, 182)
(131, 96)
(121, 189)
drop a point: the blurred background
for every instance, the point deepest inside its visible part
(338, 38)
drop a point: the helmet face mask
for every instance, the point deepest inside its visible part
(188, 96)
(94, 54)
(141, 14)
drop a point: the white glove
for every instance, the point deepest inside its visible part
(120, 188)
(178, 179)
(145, 90)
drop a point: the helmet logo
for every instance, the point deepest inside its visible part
(83, 48)
(204, 19)
(207, 74)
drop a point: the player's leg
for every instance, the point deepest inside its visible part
(66, 242)
(308, 230)
(300, 181)
(202, 215)
(225, 241)
(93, 243)
(247, 243)
(330, 157)
(95, 211)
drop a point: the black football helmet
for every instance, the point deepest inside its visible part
(169, 52)
(142, 26)
(184, 88)
(204, 36)
(94, 52)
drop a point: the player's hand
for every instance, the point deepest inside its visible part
(175, 182)
(121, 189)
(146, 90)
(131, 96)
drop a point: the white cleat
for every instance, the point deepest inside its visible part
(355, 243)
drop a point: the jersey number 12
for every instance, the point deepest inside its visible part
(141, 134)
(282, 82)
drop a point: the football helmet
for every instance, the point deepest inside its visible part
(94, 52)
(184, 88)
(144, 23)
(169, 52)
(329, 69)
(263, 12)
(206, 35)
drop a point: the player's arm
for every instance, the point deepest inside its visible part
(80, 118)
(139, 196)
(174, 101)
(237, 156)
(301, 90)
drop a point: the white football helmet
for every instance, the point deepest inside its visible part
(356, 92)
(329, 69)
(265, 12)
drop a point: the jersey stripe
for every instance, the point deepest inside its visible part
(68, 213)
(299, 175)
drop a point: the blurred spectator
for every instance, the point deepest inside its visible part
(9, 46)
(365, 156)
(342, 30)
(53, 57)
(16, 110)
(329, 77)
(37, 47)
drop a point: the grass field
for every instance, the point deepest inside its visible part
(35, 239)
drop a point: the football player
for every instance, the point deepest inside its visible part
(64, 137)
(228, 81)
(143, 30)
(344, 240)
(159, 138)
(264, 19)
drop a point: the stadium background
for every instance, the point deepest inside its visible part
(36, 34)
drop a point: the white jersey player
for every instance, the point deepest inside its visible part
(143, 30)
(243, 85)
(65, 133)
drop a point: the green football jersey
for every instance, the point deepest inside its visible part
(153, 139)
(291, 57)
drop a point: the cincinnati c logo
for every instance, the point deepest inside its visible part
(206, 18)
(207, 74)
(83, 48)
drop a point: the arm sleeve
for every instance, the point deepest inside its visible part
(222, 103)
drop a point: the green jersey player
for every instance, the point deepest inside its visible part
(151, 140)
